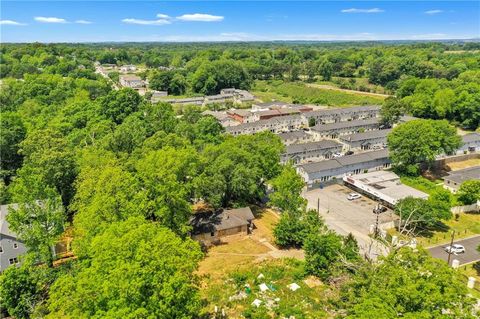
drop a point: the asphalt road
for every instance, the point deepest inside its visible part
(344, 216)
(471, 254)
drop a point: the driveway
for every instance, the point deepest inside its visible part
(471, 254)
(344, 216)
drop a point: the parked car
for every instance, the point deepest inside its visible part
(348, 153)
(337, 154)
(353, 196)
(381, 209)
(455, 249)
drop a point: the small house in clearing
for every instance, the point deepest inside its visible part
(210, 227)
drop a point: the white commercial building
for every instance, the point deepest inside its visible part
(383, 186)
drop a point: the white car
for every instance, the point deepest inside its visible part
(353, 196)
(335, 155)
(455, 249)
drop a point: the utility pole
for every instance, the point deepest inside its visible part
(318, 205)
(450, 251)
(376, 211)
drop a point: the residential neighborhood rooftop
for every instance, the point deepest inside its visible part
(344, 161)
(224, 219)
(346, 124)
(365, 135)
(292, 135)
(304, 147)
(460, 176)
(471, 137)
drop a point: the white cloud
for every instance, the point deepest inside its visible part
(202, 17)
(432, 12)
(50, 20)
(10, 22)
(146, 22)
(83, 22)
(163, 16)
(355, 10)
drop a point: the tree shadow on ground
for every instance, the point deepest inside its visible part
(439, 227)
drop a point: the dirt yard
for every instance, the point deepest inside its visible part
(464, 164)
(238, 253)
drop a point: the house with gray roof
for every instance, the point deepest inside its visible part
(454, 179)
(367, 140)
(333, 115)
(131, 81)
(186, 101)
(275, 125)
(334, 130)
(295, 137)
(210, 227)
(332, 169)
(311, 151)
(470, 143)
(11, 248)
(269, 105)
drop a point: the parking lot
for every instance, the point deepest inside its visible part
(471, 254)
(344, 216)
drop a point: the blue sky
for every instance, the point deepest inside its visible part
(97, 21)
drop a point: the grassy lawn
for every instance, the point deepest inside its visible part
(265, 222)
(472, 270)
(299, 92)
(421, 183)
(467, 225)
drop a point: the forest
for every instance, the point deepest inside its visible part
(121, 175)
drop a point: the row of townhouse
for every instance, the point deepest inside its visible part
(234, 95)
(374, 139)
(336, 115)
(274, 125)
(334, 130)
(349, 121)
(295, 137)
(337, 168)
(311, 151)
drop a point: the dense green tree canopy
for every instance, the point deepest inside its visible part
(137, 269)
(408, 284)
(469, 192)
(421, 141)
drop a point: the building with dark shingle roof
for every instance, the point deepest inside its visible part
(454, 179)
(333, 115)
(210, 227)
(314, 173)
(333, 130)
(295, 137)
(470, 143)
(311, 151)
(275, 125)
(366, 140)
